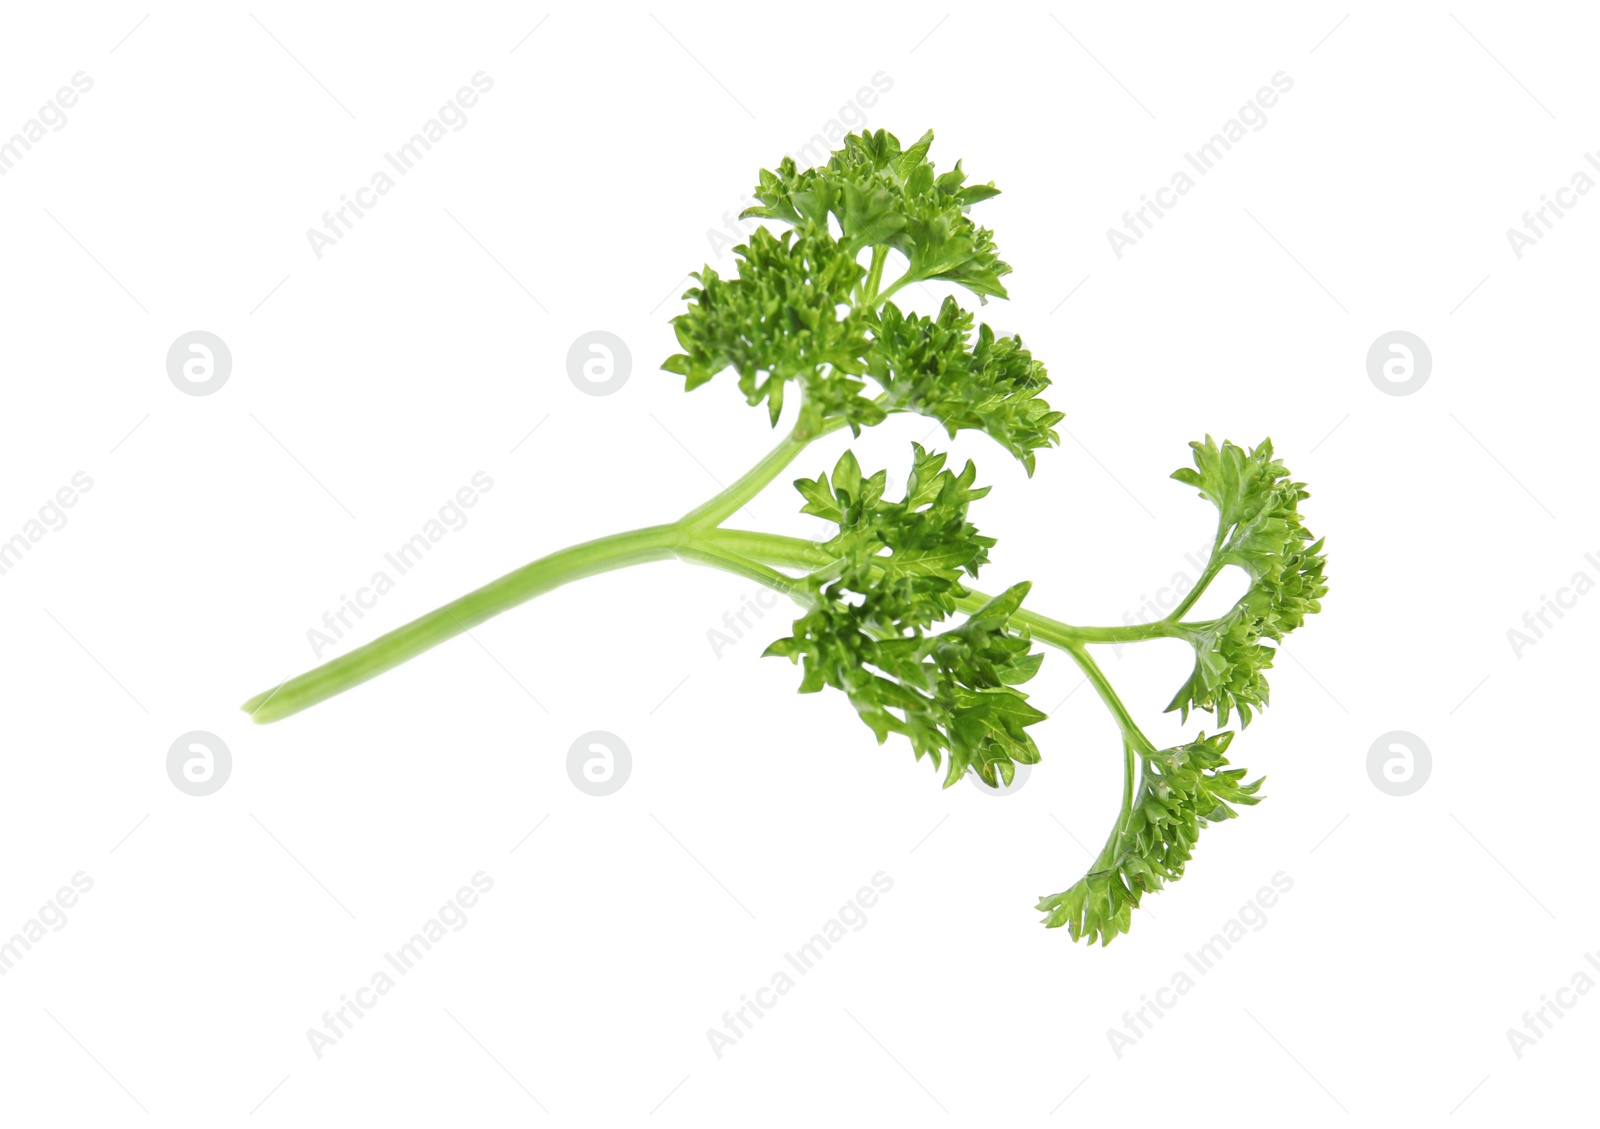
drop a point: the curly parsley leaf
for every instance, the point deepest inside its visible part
(780, 321)
(803, 310)
(881, 195)
(898, 572)
(932, 366)
(1261, 531)
(1181, 791)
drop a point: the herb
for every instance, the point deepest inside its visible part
(889, 616)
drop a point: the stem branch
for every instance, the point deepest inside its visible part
(1213, 566)
(386, 652)
(730, 501)
(869, 290)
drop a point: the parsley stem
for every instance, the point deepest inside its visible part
(884, 295)
(773, 548)
(731, 500)
(796, 552)
(869, 290)
(1135, 739)
(656, 542)
(729, 561)
(1065, 634)
(1213, 566)
(1134, 746)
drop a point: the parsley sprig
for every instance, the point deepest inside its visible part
(889, 615)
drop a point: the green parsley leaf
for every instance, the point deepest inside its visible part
(932, 367)
(1261, 531)
(881, 195)
(898, 572)
(779, 321)
(1181, 791)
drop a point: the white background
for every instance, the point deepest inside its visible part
(370, 384)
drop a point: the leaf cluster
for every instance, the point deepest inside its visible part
(802, 310)
(932, 366)
(780, 320)
(881, 195)
(1261, 531)
(1181, 791)
(897, 573)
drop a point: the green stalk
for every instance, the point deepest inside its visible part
(731, 500)
(773, 548)
(606, 554)
(1065, 635)
(1132, 736)
(652, 543)
(728, 561)
(1134, 745)
(1108, 853)
(893, 288)
(796, 552)
(869, 289)
(1213, 566)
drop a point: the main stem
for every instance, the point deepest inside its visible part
(386, 652)
(696, 537)
(656, 542)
